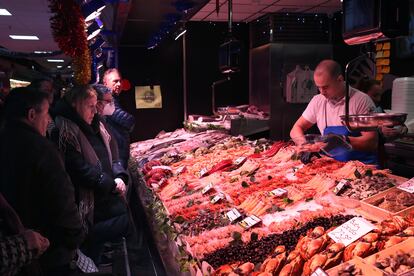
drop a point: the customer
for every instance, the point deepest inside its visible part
(99, 187)
(121, 122)
(46, 86)
(19, 246)
(374, 90)
(34, 181)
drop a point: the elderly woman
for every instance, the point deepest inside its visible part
(92, 162)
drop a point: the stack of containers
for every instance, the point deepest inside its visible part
(403, 99)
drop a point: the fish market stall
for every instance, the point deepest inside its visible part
(224, 205)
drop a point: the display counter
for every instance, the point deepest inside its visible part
(223, 205)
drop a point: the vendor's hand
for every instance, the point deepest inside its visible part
(307, 156)
(390, 132)
(299, 140)
(36, 242)
(120, 186)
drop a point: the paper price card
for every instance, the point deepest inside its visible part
(279, 192)
(180, 170)
(162, 167)
(240, 160)
(351, 230)
(319, 272)
(340, 186)
(250, 221)
(407, 186)
(207, 188)
(233, 214)
(217, 198)
(203, 172)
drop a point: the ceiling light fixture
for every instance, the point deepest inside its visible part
(42, 52)
(55, 60)
(181, 32)
(92, 9)
(97, 43)
(5, 12)
(94, 29)
(24, 37)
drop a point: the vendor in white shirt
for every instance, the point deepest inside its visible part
(326, 108)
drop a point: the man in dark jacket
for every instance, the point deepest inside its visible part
(121, 122)
(34, 181)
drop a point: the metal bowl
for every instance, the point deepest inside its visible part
(372, 121)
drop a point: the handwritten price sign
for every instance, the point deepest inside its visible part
(279, 192)
(249, 222)
(319, 272)
(233, 214)
(217, 198)
(203, 172)
(240, 160)
(351, 230)
(407, 186)
(207, 188)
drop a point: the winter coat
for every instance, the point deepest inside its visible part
(121, 124)
(92, 162)
(34, 181)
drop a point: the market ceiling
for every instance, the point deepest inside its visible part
(151, 21)
(137, 22)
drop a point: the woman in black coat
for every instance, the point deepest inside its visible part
(92, 162)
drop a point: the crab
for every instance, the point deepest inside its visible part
(393, 241)
(330, 257)
(335, 253)
(360, 249)
(273, 265)
(244, 269)
(295, 265)
(313, 246)
(394, 225)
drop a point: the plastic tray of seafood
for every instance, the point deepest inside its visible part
(395, 260)
(356, 266)
(392, 202)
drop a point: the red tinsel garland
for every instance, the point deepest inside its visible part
(68, 29)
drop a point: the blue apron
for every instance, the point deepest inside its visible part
(347, 155)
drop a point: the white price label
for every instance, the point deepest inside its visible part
(407, 186)
(240, 160)
(207, 188)
(162, 167)
(217, 198)
(233, 214)
(319, 272)
(203, 172)
(250, 221)
(180, 170)
(279, 192)
(340, 186)
(351, 230)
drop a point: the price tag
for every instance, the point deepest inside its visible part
(180, 170)
(279, 192)
(162, 167)
(319, 272)
(207, 188)
(240, 160)
(407, 186)
(233, 214)
(203, 172)
(217, 198)
(250, 221)
(342, 184)
(351, 230)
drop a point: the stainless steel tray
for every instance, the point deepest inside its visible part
(372, 121)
